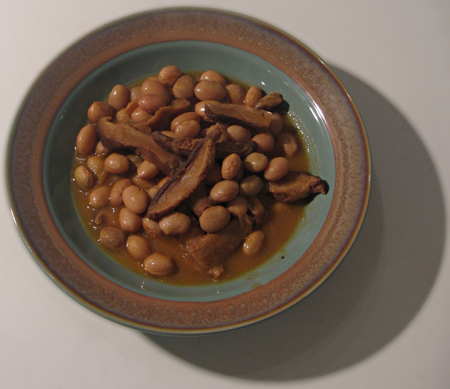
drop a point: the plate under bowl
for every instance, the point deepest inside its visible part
(194, 40)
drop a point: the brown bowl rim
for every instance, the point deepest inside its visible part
(40, 233)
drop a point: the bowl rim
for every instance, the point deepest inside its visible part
(38, 230)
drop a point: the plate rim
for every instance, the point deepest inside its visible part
(154, 319)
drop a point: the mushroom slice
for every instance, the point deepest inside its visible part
(163, 116)
(256, 119)
(295, 185)
(188, 178)
(210, 250)
(200, 200)
(184, 147)
(142, 126)
(114, 135)
(269, 101)
(224, 149)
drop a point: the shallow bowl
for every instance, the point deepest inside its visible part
(41, 151)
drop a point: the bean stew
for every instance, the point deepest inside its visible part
(191, 178)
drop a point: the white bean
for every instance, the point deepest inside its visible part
(159, 264)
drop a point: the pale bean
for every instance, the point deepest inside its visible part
(250, 186)
(131, 107)
(84, 178)
(147, 170)
(138, 247)
(163, 181)
(230, 166)
(135, 199)
(152, 78)
(119, 97)
(214, 218)
(141, 183)
(159, 265)
(139, 115)
(151, 227)
(135, 93)
(212, 75)
(287, 142)
(238, 206)
(134, 160)
(99, 197)
(200, 107)
(151, 103)
(252, 97)
(265, 142)
(86, 140)
(238, 134)
(224, 191)
(105, 217)
(257, 209)
(253, 243)
(116, 163)
(187, 129)
(276, 169)
(184, 117)
(111, 237)
(209, 90)
(96, 165)
(99, 109)
(169, 74)
(122, 116)
(101, 150)
(235, 93)
(175, 223)
(276, 124)
(128, 220)
(154, 87)
(216, 271)
(255, 162)
(117, 190)
(184, 87)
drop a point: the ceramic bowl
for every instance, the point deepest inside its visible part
(41, 150)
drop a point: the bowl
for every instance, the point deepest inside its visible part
(44, 133)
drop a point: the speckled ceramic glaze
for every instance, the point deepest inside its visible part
(41, 150)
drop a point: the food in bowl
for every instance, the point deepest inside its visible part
(191, 177)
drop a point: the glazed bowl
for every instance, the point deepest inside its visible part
(41, 152)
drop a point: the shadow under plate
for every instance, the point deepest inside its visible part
(375, 292)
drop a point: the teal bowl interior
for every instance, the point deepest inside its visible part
(188, 56)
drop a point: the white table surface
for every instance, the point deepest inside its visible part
(383, 318)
